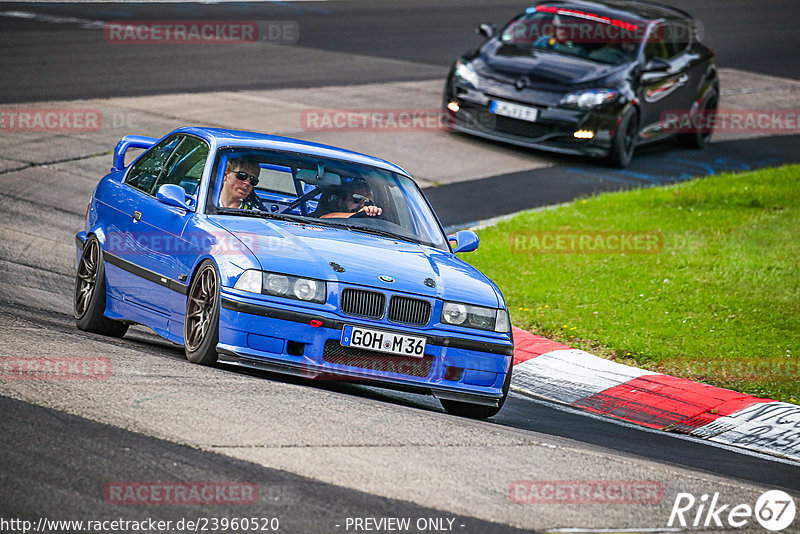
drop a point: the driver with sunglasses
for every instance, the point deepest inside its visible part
(241, 177)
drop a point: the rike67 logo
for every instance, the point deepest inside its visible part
(774, 510)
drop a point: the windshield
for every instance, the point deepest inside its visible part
(343, 194)
(575, 33)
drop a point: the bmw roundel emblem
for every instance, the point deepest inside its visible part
(387, 279)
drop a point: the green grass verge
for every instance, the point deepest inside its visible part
(719, 303)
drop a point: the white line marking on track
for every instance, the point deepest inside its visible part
(615, 530)
(569, 409)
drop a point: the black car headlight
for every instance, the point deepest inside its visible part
(588, 99)
(470, 316)
(282, 285)
(465, 72)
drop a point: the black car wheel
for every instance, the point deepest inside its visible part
(624, 142)
(700, 139)
(201, 322)
(89, 303)
(478, 411)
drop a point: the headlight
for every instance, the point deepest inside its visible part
(294, 287)
(454, 313)
(250, 281)
(282, 285)
(478, 317)
(276, 284)
(305, 289)
(588, 99)
(467, 73)
(502, 324)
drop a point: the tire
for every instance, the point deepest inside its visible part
(89, 302)
(478, 411)
(700, 139)
(624, 142)
(201, 320)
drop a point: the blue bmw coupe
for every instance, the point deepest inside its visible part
(293, 257)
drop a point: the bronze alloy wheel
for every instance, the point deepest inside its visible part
(86, 277)
(89, 305)
(201, 324)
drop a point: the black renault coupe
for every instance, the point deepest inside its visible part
(594, 78)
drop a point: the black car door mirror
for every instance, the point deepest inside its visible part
(487, 30)
(654, 70)
(657, 65)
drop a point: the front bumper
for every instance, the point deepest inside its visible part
(282, 339)
(553, 131)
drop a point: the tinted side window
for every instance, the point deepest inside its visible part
(150, 166)
(677, 37)
(656, 47)
(185, 165)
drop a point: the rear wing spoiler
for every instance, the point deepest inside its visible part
(134, 141)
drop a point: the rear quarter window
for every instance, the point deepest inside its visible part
(147, 169)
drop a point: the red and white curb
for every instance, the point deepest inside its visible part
(557, 372)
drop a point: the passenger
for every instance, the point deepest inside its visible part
(353, 198)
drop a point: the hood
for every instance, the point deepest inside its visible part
(308, 250)
(508, 63)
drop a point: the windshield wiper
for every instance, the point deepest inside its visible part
(366, 230)
(260, 214)
(320, 222)
(384, 233)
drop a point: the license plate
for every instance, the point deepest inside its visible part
(515, 111)
(382, 341)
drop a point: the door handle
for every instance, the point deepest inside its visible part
(683, 79)
(137, 215)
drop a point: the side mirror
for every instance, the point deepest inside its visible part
(173, 195)
(464, 241)
(487, 30)
(656, 65)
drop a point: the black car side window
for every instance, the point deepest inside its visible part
(144, 173)
(677, 37)
(656, 47)
(185, 165)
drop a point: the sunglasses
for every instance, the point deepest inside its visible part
(358, 199)
(241, 175)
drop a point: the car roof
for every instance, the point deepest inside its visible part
(645, 11)
(219, 137)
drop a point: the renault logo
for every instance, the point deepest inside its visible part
(387, 279)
